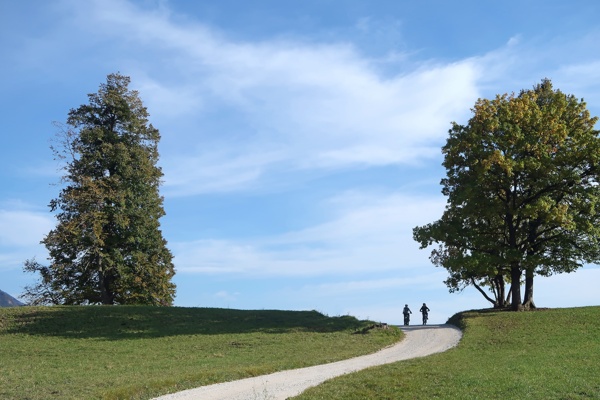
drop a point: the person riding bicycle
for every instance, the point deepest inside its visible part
(406, 311)
(425, 311)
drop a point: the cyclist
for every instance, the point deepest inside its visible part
(425, 311)
(406, 311)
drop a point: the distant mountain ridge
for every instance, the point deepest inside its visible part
(6, 300)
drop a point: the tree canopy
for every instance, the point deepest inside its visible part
(523, 193)
(107, 246)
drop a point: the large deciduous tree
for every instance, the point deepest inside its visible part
(107, 247)
(523, 193)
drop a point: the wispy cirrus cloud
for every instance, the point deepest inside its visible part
(22, 225)
(368, 234)
(239, 109)
(21, 231)
(314, 105)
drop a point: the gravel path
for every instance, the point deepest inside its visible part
(420, 341)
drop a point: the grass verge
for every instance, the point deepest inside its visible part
(124, 352)
(546, 354)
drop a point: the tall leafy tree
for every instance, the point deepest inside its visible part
(523, 191)
(107, 247)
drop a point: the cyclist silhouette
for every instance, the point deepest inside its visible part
(425, 311)
(406, 313)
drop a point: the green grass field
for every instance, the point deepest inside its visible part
(124, 352)
(142, 352)
(545, 354)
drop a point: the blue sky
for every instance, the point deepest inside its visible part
(300, 140)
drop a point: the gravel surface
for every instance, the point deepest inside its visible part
(420, 341)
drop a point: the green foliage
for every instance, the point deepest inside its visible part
(522, 182)
(547, 354)
(71, 352)
(107, 246)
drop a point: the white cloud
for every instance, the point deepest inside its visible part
(525, 61)
(362, 287)
(214, 172)
(20, 234)
(316, 106)
(369, 234)
(23, 228)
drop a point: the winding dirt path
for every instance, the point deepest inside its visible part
(420, 341)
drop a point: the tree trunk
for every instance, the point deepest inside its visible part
(106, 296)
(528, 300)
(515, 286)
(501, 291)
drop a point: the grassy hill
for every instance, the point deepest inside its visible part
(546, 354)
(125, 352)
(141, 352)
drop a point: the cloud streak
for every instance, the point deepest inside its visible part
(20, 235)
(23, 226)
(302, 106)
(367, 235)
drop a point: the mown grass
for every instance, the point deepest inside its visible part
(546, 354)
(142, 352)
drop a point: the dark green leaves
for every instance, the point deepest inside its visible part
(522, 182)
(107, 246)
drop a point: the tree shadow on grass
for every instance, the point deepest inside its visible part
(125, 322)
